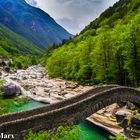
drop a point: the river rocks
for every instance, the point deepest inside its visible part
(106, 119)
(63, 93)
(24, 78)
(68, 95)
(37, 85)
(4, 61)
(46, 90)
(7, 69)
(13, 77)
(10, 90)
(131, 105)
(135, 126)
(49, 85)
(122, 116)
(130, 121)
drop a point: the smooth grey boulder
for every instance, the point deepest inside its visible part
(10, 90)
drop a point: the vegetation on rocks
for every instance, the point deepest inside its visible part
(2, 82)
(117, 138)
(138, 88)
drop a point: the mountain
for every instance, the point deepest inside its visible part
(32, 23)
(113, 14)
(12, 44)
(106, 51)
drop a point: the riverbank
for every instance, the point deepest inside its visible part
(106, 120)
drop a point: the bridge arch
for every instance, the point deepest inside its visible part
(71, 111)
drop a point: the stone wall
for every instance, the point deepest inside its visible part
(73, 113)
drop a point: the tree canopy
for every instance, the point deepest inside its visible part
(106, 51)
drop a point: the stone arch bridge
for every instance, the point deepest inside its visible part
(69, 111)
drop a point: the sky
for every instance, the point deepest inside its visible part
(73, 15)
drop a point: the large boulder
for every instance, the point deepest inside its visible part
(122, 116)
(10, 90)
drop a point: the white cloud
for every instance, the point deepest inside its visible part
(32, 2)
(73, 15)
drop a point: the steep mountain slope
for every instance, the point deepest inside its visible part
(106, 51)
(12, 44)
(113, 14)
(32, 23)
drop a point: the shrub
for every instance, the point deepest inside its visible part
(64, 133)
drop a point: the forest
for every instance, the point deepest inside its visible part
(107, 51)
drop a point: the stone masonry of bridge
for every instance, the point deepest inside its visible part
(69, 111)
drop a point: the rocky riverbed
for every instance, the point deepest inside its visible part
(35, 83)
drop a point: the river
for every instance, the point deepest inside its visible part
(88, 130)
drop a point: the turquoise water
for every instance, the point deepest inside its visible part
(92, 132)
(27, 106)
(88, 130)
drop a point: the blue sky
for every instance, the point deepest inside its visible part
(73, 15)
